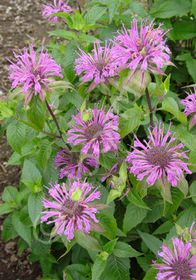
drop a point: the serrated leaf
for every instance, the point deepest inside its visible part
(134, 197)
(88, 38)
(21, 229)
(94, 14)
(98, 268)
(128, 121)
(34, 208)
(9, 194)
(113, 8)
(36, 113)
(124, 250)
(133, 216)
(64, 34)
(8, 231)
(177, 197)
(116, 268)
(151, 242)
(16, 133)
(109, 246)
(5, 208)
(108, 223)
(44, 153)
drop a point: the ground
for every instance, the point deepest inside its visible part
(21, 24)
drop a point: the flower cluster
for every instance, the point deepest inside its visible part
(32, 72)
(177, 263)
(138, 50)
(70, 208)
(158, 158)
(190, 106)
(50, 9)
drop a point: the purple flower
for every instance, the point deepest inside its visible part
(32, 72)
(98, 66)
(56, 8)
(69, 208)
(177, 262)
(158, 158)
(190, 105)
(141, 50)
(96, 133)
(192, 232)
(72, 164)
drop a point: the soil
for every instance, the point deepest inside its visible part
(21, 24)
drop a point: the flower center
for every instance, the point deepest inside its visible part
(74, 158)
(181, 270)
(93, 130)
(158, 156)
(71, 208)
(100, 65)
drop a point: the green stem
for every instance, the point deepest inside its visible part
(150, 108)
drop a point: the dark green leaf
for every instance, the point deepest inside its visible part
(34, 207)
(44, 153)
(21, 229)
(87, 241)
(8, 231)
(108, 223)
(16, 134)
(151, 242)
(36, 113)
(124, 250)
(177, 197)
(128, 121)
(98, 267)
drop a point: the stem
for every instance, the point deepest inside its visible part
(57, 125)
(150, 108)
(129, 236)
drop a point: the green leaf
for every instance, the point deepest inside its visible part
(177, 197)
(113, 8)
(16, 133)
(184, 29)
(151, 274)
(191, 66)
(108, 223)
(68, 61)
(124, 250)
(94, 14)
(8, 231)
(128, 121)
(193, 191)
(9, 195)
(5, 208)
(88, 38)
(78, 21)
(31, 176)
(151, 242)
(21, 229)
(64, 34)
(86, 241)
(34, 208)
(194, 7)
(44, 153)
(134, 197)
(138, 9)
(164, 228)
(133, 216)
(116, 268)
(36, 113)
(170, 8)
(98, 267)
(109, 246)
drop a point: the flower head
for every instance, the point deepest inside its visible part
(141, 50)
(70, 209)
(190, 105)
(98, 66)
(50, 9)
(96, 133)
(158, 158)
(177, 262)
(72, 164)
(32, 72)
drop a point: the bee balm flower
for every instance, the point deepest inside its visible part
(190, 106)
(69, 208)
(158, 158)
(50, 9)
(32, 72)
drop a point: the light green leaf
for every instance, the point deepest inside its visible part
(16, 133)
(9, 194)
(134, 197)
(36, 113)
(34, 208)
(5, 208)
(109, 246)
(133, 216)
(193, 191)
(94, 14)
(98, 267)
(128, 121)
(113, 8)
(86, 241)
(151, 274)
(108, 223)
(44, 153)
(8, 231)
(69, 35)
(177, 197)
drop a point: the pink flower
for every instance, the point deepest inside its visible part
(177, 262)
(32, 72)
(141, 50)
(190, 105)
(56, 8)
(72, 164)
(70, 209)
(158, 158)
(97, 133)
(97, 67)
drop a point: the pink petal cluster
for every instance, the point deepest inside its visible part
(97, 133)
(50, 9)
(177, 262)
(158, 158)
(141, 49)
(190, 104)
(72, 164)
(32, 72)
(98, 66)
(67, 213)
